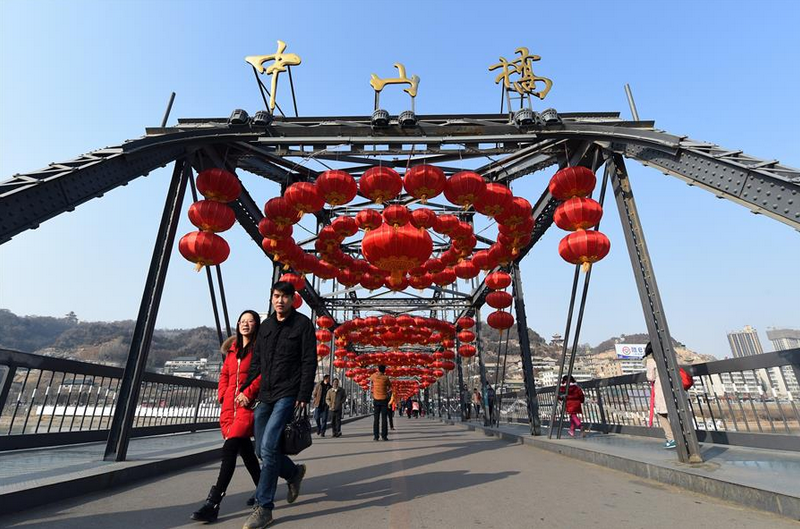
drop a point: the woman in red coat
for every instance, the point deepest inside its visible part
(236, 422)
(574, 400)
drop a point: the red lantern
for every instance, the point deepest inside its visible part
(516, 212)
(219, 185)
(371, 281)
(499, 299)
(578, 214)
(464, 188)
(423, 218)
(299, 282)
(483, 261)
(380, 184)
(298, 302)
(345, 226)
(465, 322)
(281, 212)
(445, 277)
(339, 363)
(396, 250)
(445, 224)
(396, 215)
(571, 182)
(466, 336)
(323, 350)
(337, 187)
(424, 182)
(501, 254)
(212, 216)
(324, 335)
(466, 269)
(369, 219)
(584, 247)
(304, 197)
(467, 350)
(271, 230)
(325, 270)
(500, 320)
(203, 248)
(434, 265)
(347, 277)
(396, 285)
(498, 280)
(325, 322)
(494, 200)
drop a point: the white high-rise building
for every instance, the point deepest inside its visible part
(745, 342)
(783, 339)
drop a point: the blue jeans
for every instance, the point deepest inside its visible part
(269, 422)
(321, 416)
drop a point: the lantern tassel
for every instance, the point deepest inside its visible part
(586, 267)
(198, 267)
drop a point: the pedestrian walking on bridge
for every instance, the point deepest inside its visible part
(381, 385)
(285, 356)
(235, 420)
(335, 400)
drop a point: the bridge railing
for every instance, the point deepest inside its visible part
(749, 401)
(47, 401)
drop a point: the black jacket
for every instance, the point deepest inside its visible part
(285, 355)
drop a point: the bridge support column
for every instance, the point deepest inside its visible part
(525, 353)
(680, 416)
(482, 366)
(128, 395)
(460, 389)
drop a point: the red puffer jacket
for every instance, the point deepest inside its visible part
(234, 420)
(574, 398)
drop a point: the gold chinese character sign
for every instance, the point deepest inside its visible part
(522, 67)
(378, 84)
(281, 62)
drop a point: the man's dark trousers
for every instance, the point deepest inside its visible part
(336, 422)
(321, 416)
(381, 411)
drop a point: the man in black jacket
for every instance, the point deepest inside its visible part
(285, 358)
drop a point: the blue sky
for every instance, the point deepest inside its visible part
(79, 76)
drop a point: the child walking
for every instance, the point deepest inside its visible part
(575, 398)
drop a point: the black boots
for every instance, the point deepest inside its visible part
(210, 509)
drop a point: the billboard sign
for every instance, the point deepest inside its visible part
(630, 351)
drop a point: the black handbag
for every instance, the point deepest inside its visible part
(297, 433)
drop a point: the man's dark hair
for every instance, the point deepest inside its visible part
(284, 287)
(325, 376)
(382, 369)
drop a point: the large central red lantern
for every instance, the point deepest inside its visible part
(209, 215)
(219, 185)
(204, 248)
(397, 250)
(498, 280)
(494, 200)
(571, 182)
(578, 214)
(304, 197)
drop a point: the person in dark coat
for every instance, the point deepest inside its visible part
(235, 421)
(285, 356)
(575, 399)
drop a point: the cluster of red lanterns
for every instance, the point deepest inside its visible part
(394, 331)
(578, 214)
(396, 244)
(211, 216)
(499, 299)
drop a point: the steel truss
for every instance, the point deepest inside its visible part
(280, 151)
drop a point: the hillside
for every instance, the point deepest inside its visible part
(99, 342)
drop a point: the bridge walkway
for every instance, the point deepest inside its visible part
(428, 475)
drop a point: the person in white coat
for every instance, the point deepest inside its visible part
(660, 406)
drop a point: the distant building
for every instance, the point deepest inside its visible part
(783, 339)
(745, 342)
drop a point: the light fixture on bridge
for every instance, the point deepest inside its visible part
(525, 118)
(407, 119)
(380, 119)
(238, 117)
(550, 116)
(262, 118)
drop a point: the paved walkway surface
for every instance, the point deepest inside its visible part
(429, 475)
(770, 470)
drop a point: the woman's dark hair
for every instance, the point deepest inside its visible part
(648, 350)
(239, 337)
(284, 287)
